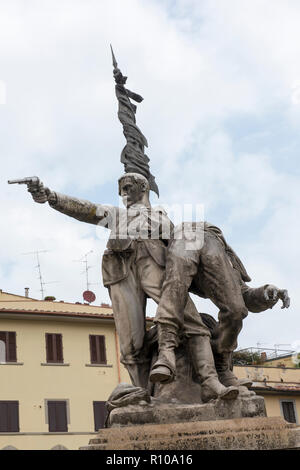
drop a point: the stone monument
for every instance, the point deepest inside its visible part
(180, 369)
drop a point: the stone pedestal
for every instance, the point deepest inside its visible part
(231, 434)
(239, 424)
(162, 413)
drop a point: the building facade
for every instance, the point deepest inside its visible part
(280, 387)
(59, 362)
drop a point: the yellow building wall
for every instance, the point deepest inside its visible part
(272, 403)
(32, 383)
(273, 376)
(270, 374)
(285, 361)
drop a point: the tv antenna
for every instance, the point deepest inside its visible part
(260, 344)
(38, 266)
(84, 260)
(282, 344)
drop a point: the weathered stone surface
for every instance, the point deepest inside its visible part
(184, 389)
(162, 413)
(295, 438)
(234, 434)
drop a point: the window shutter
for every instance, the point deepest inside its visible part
(100, 413)
(57, 416)
(49, 348)
(9, 339)
(3, 347)
(12, 347)
(3, 417)
(54, 347)
(14, 416)
(93, 349)
(52, 416)
(102, 355)
(97, 349)
(59, 348)
(9, 416)
(289, 411)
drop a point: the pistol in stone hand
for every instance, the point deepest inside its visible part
(36, 188)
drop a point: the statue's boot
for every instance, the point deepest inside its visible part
(139, 373)
(164, 369)
(244, 392)
(204, 368)
(226, 376)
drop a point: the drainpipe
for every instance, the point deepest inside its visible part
(118, 356)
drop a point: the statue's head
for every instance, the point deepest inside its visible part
(133, 188)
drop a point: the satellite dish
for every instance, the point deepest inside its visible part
(89, 296)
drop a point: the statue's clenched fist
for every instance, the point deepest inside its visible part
(274, 293)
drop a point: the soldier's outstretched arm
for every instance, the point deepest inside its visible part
(79, 209)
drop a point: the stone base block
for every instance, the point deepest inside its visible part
(162, 413)
(234, 434)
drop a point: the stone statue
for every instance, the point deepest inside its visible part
(133, 265)
(146, 258)
(133, 268)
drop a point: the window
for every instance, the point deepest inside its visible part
(2, 351)
(9, 416)
(54, 348)
(57, 416)
(8, 347)
(100, 413)
(288, 411)
(97, 349)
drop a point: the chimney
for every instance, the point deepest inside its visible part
(263, 356)
(26, 291)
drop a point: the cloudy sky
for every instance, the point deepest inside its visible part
(221, 112)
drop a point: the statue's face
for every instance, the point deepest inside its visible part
(131, 192)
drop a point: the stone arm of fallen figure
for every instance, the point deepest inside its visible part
(259, 299)
(274, 293)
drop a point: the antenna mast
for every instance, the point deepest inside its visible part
(38, 266)
(88, 295)
(40, 274)
(84, 260)
(87, 268)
